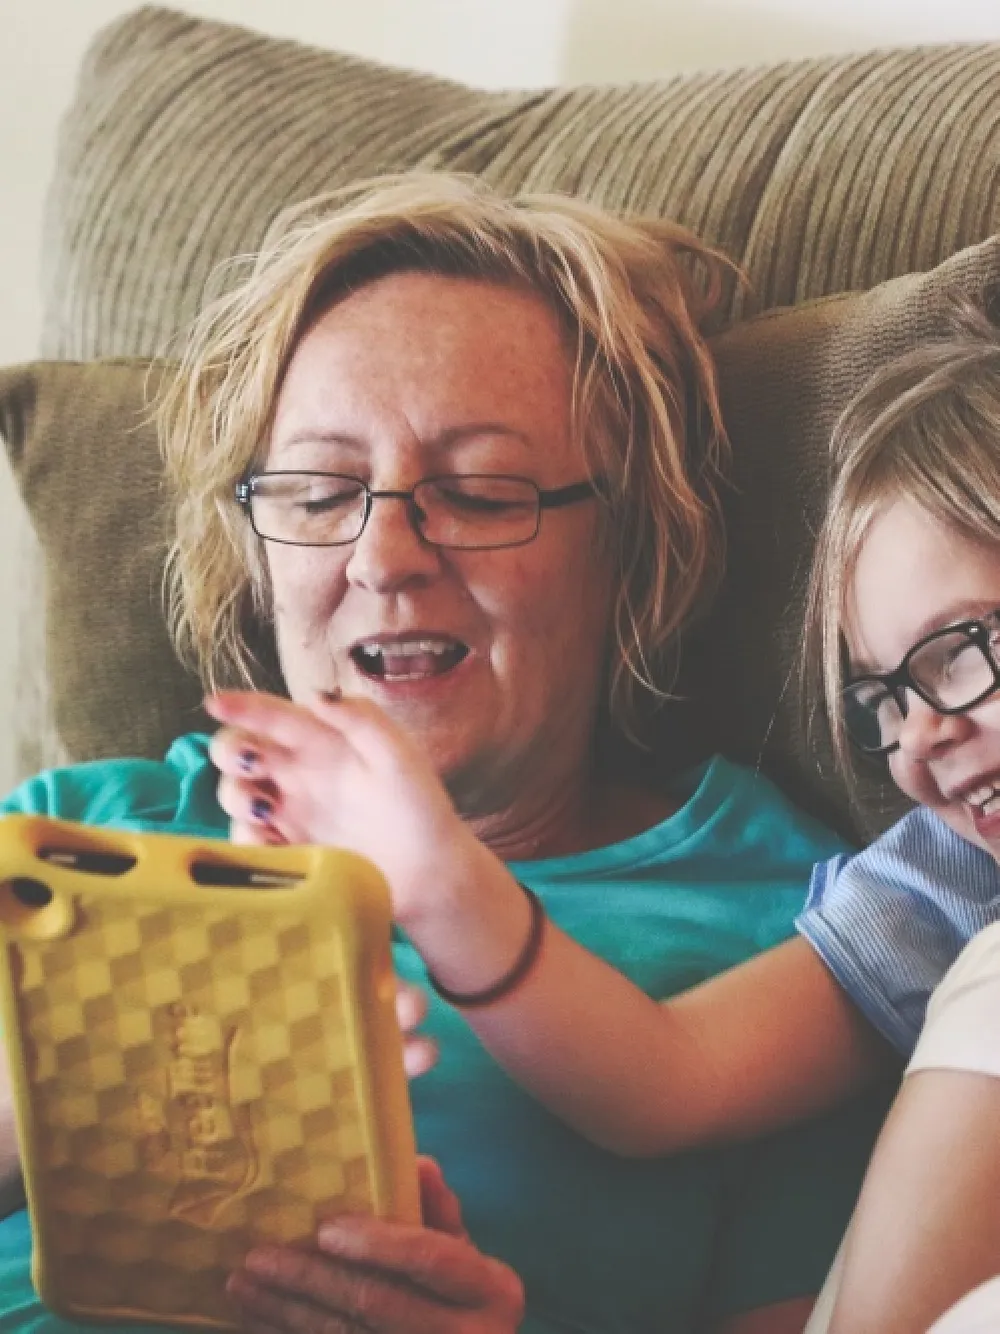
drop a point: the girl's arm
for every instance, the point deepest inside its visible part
(756, 1048)
(927, 1226)
(760, 1046)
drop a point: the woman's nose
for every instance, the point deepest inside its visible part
(925, 732)
(390, 553)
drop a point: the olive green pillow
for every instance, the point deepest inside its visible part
(84, 452)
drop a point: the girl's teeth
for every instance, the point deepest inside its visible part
(982, 798)
(992, 805)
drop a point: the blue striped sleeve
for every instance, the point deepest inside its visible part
(889, 921)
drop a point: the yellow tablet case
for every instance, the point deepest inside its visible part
(204, 1054)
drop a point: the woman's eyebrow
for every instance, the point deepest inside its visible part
(320, 437)
(458, 435)
(450, 438)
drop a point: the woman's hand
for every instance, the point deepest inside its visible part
(420, 1053)
(377, 1277)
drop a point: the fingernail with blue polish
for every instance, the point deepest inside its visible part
(261, 809)
(248, 760)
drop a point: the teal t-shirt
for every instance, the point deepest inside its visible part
(602, 1243)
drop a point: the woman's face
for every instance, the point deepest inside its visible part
(494, 659)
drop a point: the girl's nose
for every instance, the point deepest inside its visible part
(924, 732)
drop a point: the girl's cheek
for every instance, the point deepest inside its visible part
(912, 780)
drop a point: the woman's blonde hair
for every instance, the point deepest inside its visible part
(927, 428)
(632, 296)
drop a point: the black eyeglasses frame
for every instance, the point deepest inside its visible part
(898, 681)
(554, 498)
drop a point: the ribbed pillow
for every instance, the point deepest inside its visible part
(117, 688)
(186, 137)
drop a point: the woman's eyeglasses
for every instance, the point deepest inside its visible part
(952, 670)
(470, 511)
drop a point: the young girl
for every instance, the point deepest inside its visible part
(907, 580)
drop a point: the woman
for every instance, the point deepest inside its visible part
(441, 447)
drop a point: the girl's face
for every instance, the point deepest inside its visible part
(915, 575)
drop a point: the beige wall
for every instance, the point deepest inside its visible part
(490, 42)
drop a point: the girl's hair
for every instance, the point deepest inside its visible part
(632, 296)
(926, 427)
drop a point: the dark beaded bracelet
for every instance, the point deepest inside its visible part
(515, 974)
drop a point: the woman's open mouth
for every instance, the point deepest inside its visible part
(407, 659)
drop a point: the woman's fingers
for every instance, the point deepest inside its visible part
(411, 1005)
(420, 1055)
(438, 1262)
(308, 1293)
(265, 1310)
(374, 1276)
(439, 1205)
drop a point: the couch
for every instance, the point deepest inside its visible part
(856, 193)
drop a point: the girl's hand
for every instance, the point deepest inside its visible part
(376, 1277)
(341, 774)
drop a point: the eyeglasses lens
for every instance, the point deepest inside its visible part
(872, 716)
(308, 509)
(476, 512)
(323, 509)
(952, 670)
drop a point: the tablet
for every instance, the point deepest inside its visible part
(204, 1054)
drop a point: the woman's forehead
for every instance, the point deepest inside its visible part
(445, 360)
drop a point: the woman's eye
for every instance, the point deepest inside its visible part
(476, 503)
(322, 504)
(321, 496)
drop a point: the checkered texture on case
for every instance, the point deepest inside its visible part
(195, 1085)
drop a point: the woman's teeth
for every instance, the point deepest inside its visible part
(410, 660)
